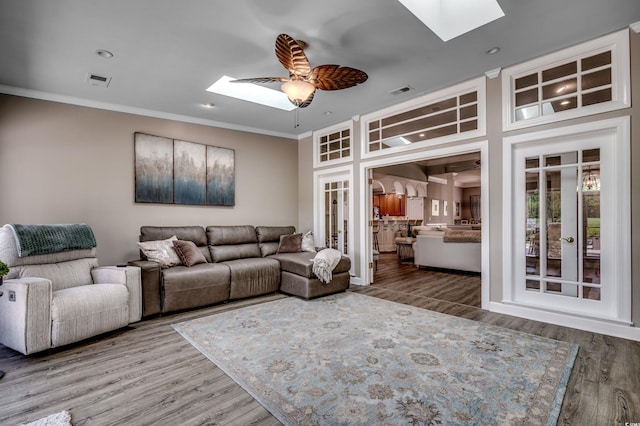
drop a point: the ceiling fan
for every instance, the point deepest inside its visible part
(303, 81)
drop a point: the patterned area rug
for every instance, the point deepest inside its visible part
(355, 359)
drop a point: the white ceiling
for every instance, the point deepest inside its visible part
(168, 52)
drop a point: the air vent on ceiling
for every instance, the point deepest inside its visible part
(400, 90)
(97, 80)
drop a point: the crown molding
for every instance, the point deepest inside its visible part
(635, 27)
(493, 73)
(305, 135)
(53, 97)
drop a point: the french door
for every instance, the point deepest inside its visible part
(566, 236)
(334, 211)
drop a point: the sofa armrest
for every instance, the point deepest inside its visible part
(151, 286)
(25, 314)
(128, 276)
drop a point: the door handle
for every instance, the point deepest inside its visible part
(568, 239)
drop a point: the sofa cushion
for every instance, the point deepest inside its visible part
(269, 237)
(253, 277)
(72, 273)
(290, 243)
(232, 242)
(188, 252)
(302, 263)
(191, 287)
(188, 233)
(161, 251)
(310, 288)
(196, 234)
(85, 311)
(9, 254)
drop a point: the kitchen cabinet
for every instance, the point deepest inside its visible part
(390, 204)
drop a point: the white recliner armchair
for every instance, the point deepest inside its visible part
(61, 296)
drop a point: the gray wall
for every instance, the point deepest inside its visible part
(62, 164)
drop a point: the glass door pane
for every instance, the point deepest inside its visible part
(591, 224)
(532, 217)
(336, 209)
(558, 187)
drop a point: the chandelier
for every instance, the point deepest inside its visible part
(590, 181)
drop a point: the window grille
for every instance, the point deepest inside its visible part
(334, 144)
(452, 114)
(583, 80)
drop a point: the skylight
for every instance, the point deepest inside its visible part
(452, 18)
(398, 141)
(252, 93)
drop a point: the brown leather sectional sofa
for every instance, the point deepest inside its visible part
(242, 261)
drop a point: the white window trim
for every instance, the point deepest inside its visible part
(478, 84)
(619, 327)
(346, 125)
(617, 42)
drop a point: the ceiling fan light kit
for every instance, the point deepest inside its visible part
(297, 91)
(303, 81)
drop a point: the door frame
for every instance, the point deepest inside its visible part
(619, 130)
(320, 177)
(366, 204)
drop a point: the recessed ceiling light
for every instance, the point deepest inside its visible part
(104, 53)
(209, 105)
(493, 51)
(328, 113)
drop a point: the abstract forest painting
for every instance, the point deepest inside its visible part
(220, 176)
(189, 178)
(154, 169)
(180, 172)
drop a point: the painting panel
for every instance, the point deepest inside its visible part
(190, 172)
(435, 207)
(221, 181)
(153, 169)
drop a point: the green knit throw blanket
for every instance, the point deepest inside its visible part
(44, 239)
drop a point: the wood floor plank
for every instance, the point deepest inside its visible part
(147, 374)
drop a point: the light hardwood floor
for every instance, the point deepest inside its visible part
(147, 374)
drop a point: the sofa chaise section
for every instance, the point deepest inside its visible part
(297, 277)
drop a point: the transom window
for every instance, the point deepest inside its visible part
(334, 144)
(587, 79)
(452, 114)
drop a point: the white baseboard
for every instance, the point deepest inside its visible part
(625, 331)
(356, 280)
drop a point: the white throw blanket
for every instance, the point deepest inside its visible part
(324, 262)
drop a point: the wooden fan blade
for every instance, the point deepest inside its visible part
(291, 56)
(260, 80)
(335, 77)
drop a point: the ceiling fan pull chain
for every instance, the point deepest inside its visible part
(297, 123)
